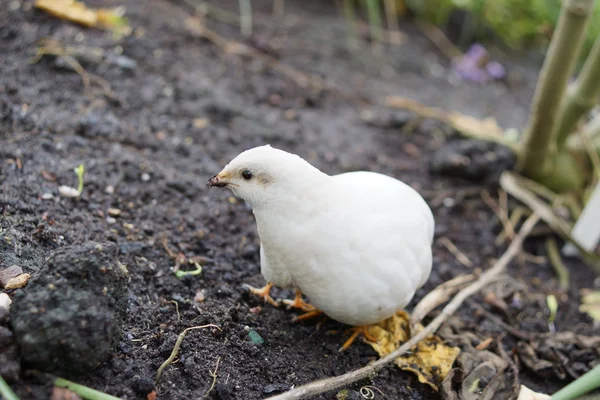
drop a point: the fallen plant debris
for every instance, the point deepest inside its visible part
(431, 359)
(590, 304)
(560, 355)
(77, 11)
(17, 282)
(175, 350)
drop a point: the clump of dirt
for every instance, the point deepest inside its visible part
(69, 318)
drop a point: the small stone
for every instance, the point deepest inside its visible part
(255, 310)
(17, 282)
(200, 123)
(67, 191)
(145, 177)
(274, 388)
(200, 296)
(5, 302)
(110, 189)
(255, 337)
(114, 212)
(346, 394)
(8, 273)
(111, 220)
(47, 196)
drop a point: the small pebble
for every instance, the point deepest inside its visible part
(114, 212)
(9, 273)
(110, 189)
(145, 177)
(200, 296)
(5, 301)
(111, 220)
(255, 337)
(17, 282)
(47, 196)
(67, 191)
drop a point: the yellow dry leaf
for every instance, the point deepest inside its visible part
(483, 129)
(78, 12)
(590, 304)
(431, 360)
(17, 282)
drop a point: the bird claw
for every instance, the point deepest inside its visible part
(357, 330)
(298, 303)
(263, 292)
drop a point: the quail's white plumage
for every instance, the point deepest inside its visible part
(358, 244)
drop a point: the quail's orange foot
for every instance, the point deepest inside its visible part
(300, 304)
(264, 293)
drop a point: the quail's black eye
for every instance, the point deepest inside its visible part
(247, 175)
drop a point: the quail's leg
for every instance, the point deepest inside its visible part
(263, 292)
(357, 330)
(298, 303)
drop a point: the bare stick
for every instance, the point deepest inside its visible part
(438, 296)
(176, 349)
(317, 387)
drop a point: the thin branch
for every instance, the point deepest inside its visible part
(535, 160)
(176, 349)
(328, 384)
(581, 97)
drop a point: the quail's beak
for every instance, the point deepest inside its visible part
(219, 180)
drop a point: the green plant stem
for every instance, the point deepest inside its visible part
(350, 23)
(391, 14)
(374, 15)
(582, 385)
(245, 18)
(556, 261)
(535, 158)
(581, 97)
(83, 391)
(6, 391)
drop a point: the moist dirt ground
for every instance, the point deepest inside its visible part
(164, 109)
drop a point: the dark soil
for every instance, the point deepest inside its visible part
(178, 109)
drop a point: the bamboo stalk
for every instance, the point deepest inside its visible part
(581, 96)
(538, 146)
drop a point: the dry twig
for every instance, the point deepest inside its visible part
(439, 295)
(321, 386)
(460, 256)
(214, 375)
(176, 349)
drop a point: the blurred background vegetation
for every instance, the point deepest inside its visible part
(515, 24)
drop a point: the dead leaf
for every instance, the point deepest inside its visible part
(77, 11)
(485, 129)
(431, 360)
(560, 355)
(17, 282)
(590, 304)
